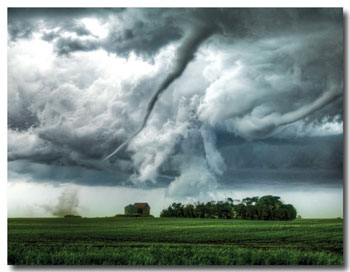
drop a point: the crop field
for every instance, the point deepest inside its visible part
(174, 241)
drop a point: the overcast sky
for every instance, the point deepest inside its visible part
(209, 103)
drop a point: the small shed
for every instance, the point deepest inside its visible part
(130, 209)
(137, 209)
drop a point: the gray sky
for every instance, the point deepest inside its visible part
(250, 104)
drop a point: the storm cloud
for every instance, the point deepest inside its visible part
(205, 95)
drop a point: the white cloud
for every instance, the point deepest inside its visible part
(96, 27)
(195, 180)
(255, 93)
(213, 156)
(301, 128)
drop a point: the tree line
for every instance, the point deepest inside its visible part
(264, 208)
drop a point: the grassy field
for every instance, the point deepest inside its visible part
(174, 241)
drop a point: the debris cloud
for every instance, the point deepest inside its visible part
(68, 203)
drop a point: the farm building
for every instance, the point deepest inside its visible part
(137, 208)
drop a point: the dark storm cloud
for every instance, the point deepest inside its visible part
(58, 174)
(145, 31)
(65, 46)
(292, 153)
(316, 160)
(285, 180)
(257, 76)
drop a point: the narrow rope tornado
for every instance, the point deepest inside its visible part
(185, 53)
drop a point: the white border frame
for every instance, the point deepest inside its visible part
(4, 4)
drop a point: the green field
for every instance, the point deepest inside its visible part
(174, 241)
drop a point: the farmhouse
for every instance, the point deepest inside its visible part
(137, 209)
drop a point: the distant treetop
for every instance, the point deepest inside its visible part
(254, 208)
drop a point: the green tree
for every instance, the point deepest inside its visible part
(240, 211)
(189, 211)
(265, 208)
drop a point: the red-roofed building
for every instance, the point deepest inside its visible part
(138, 208)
